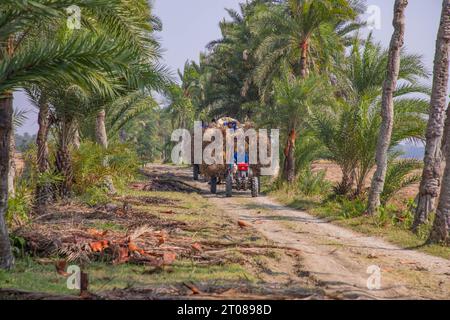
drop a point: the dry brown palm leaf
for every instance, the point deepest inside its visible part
(138, 232)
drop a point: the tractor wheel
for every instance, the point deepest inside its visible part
(195, 172)
(213, 185)
(255, 187)
(229, 186)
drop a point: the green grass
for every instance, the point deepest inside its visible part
(29, 275)
(348, 214)
(107, 225)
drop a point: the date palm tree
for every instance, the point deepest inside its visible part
(141, 71)
(349, 127)
(85, 58)
(225, 69)
(431, 175)
(387, 106)
(137, 24)
(301, 34)
(294, 98)
(298, 35)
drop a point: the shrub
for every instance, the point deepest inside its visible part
(30, 173)
(93, 196)
(94, 165)
(391, 215)
(342, 207)
(386, 216)
(399, 175)
(351, 208)
(17, 245)
(19, 205)
(312, 183)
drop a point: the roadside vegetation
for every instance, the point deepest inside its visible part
(393, 223)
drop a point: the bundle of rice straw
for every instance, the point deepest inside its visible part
(219, 170)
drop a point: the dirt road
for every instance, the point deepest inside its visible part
(339, 261)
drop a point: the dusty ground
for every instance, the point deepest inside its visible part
(335, 258)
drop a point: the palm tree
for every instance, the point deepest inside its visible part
(137, 24)
(120, 110)
(180, 108)
(70, 103)
(349, 127)
(399, 174)
(294, 98)
(38, 98)
(141, 70)
(349, 131)
(298, 35)
(387, 105)
(85, 58)
(225, 69)
(429, 186)
(149, 76)
(19, 117)
(126, 110)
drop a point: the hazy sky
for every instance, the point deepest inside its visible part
(188, 25)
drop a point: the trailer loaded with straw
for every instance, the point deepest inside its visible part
(240, 175)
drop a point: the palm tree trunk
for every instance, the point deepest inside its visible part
(102, 139)
(431, 174)
(289, 150)
(43, 190)
(6, 110)
(76, 139)
(445, 135)
(440, 231)
(359, 186)
(122, 135)
(12, 164)
(347, 181)
(64, 166)
(304, 48)
(100, 129)
(387, 106)
(289, 160)
(64, 159)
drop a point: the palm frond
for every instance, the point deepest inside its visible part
(19, 117)
(400, 174)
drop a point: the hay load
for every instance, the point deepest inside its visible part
(217, 170)
(223, 124)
